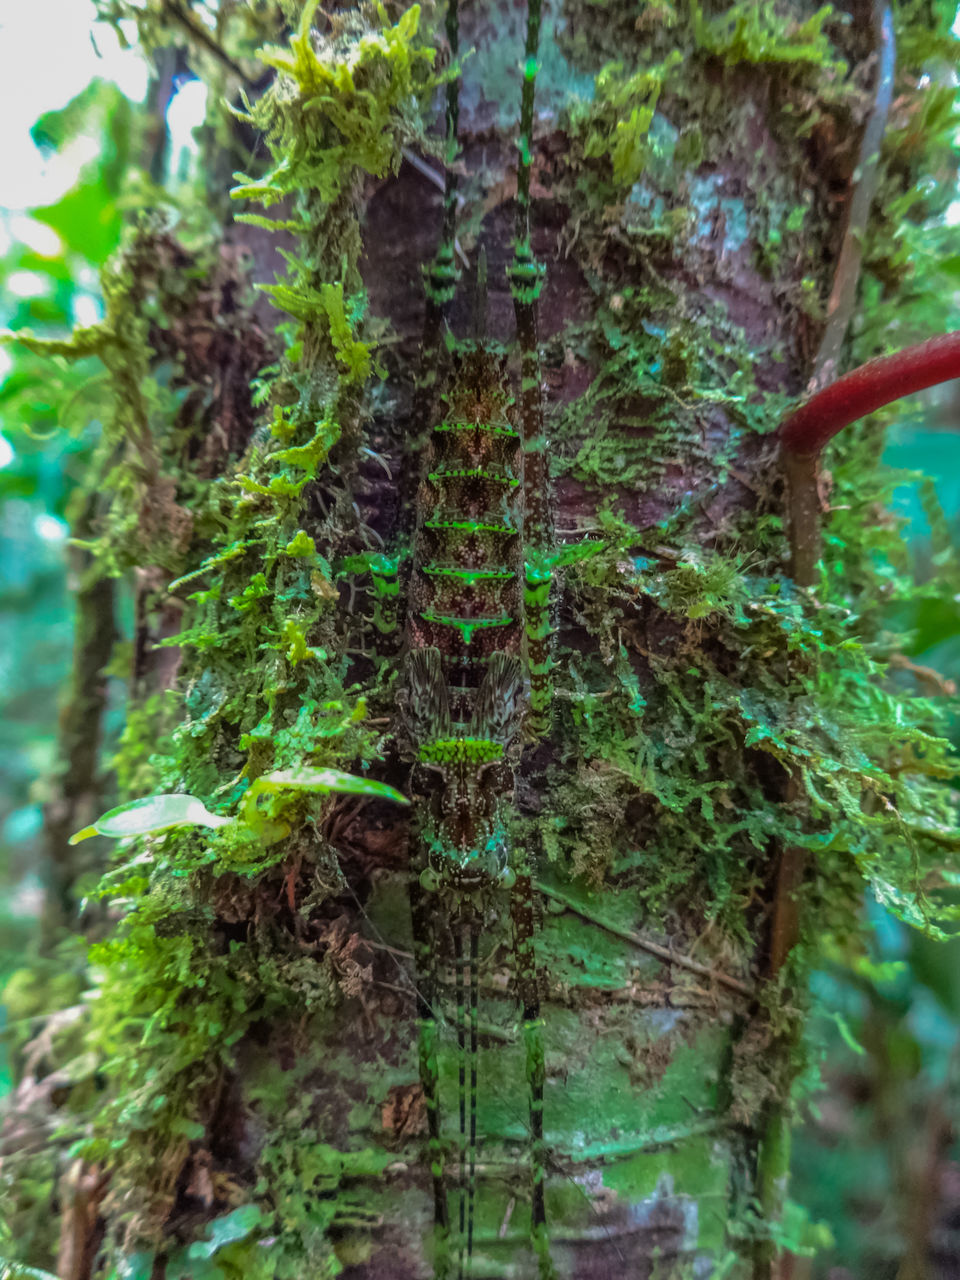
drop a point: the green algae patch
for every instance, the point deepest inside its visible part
(693, 1166)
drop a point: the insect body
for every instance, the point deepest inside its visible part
(465, 702)
(476, 682)
(464, 709)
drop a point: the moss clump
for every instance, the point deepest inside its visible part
(345, 105)
(618, 121)
(263, 683)
(755, 33)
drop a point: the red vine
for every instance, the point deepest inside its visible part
(805, 432)
(873, 385)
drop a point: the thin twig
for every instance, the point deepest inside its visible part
(647, 944)
(199, 33)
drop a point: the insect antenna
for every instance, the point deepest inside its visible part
(458, 962)
(424, 992)
(474, 1030)
(441, 276)
(526, 279)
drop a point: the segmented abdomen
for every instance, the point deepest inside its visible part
(466, 592)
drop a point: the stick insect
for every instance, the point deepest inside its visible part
(476, 679)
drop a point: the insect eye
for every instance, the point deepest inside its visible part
(430, 880)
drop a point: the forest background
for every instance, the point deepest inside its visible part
(882, 1135)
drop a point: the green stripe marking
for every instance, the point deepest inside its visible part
(470, 526)
(472, 473)
(536, 591)
(495, 428)
(469, 576)
(467, 626)
(441, 276)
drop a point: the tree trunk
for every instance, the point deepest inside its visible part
(725, 764)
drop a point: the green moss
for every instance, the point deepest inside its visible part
(349, 104)
(686, 745)
(617, 122)
(262, 697)
(753, 32)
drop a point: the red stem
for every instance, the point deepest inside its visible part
(873, 385)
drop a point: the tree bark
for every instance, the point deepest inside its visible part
(693, 817)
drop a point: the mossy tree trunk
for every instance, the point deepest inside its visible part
(727, 764)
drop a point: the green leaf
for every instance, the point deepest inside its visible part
(16, 1271)
(86, 220)
(153, 813)
(326, 780)
(321, 780)
(137, 1266)
(226, 1230)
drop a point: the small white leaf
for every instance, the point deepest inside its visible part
(153, 813)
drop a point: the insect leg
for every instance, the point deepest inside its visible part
(458, 961)
(467, 979)
(526, 279)
(425, 954)
(521, 903)
(474, 1029)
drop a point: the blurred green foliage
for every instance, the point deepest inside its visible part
(876, 1159)
(48, 282)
